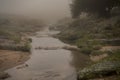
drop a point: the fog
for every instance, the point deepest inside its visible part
(48, 10)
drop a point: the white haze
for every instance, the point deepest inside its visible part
(49, 10)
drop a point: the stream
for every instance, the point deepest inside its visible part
(48, 61)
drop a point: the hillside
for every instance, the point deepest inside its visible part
(97, 37)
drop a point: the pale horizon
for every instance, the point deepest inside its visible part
(48, 10)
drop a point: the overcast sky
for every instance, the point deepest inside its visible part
(47, 9)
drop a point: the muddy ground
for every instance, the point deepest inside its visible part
(9, 59)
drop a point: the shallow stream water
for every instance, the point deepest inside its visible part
(49, 61)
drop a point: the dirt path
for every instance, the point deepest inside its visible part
(9, 59)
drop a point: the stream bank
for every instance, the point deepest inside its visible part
(49, 60)
(97, 37)
(9, 59)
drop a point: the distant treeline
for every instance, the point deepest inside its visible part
(101, 7)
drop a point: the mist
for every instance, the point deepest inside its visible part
(48, 10)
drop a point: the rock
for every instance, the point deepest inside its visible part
(99, 70)
(3, 75)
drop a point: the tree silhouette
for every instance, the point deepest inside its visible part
(101, 7)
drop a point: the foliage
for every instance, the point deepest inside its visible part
(102, 7)
(86, 50)
(25, 48)
(114, 56)
(14, 29)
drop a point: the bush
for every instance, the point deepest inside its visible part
(97, 52)
(86, 50)
(97, 47)
(26, 47)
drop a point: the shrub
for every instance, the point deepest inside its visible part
(86, 50)
(97, 47)
(97, 52)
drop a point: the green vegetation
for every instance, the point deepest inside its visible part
(14, 31)
(113, 56)
(91, 34)
(95, 6)
(100, 70)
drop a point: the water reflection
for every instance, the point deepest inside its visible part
(79, 60)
